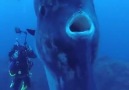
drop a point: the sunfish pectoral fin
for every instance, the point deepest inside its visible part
(31, 31)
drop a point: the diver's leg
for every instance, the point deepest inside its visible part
(26, 83)
(16, 83)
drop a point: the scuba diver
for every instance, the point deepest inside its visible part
(20, 63)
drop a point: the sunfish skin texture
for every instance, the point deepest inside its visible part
(66, 41)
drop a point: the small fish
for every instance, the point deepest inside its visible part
(67, 41)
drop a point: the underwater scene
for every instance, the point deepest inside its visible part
(64, 45)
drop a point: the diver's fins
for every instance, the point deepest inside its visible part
(31, 31)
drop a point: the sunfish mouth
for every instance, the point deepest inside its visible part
(80, 25)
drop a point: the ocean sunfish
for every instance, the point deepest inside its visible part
(67, 41)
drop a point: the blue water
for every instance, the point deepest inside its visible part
(113, 17)
(114, 28)
(17, 13)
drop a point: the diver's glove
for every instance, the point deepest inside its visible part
(18, 30)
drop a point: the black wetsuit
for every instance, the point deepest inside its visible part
(21, 65)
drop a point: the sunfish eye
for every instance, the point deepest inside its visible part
(42, 10)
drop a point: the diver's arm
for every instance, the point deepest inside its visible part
(31, 53)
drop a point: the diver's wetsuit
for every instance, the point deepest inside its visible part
(21, 65)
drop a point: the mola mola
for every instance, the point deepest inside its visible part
(66, 42)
